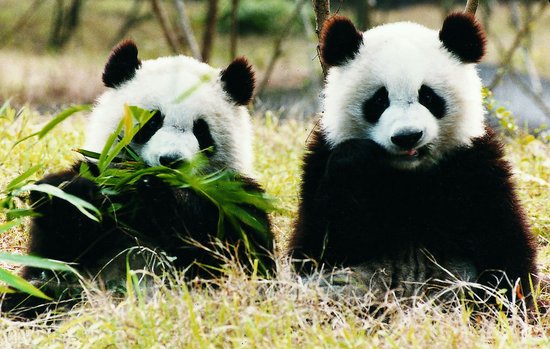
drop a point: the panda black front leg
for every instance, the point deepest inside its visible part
(341, 224)
(61, 231)
(353, 159)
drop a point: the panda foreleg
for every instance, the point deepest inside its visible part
(341, 204)
(59, 232)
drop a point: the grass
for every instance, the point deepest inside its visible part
(247, 312)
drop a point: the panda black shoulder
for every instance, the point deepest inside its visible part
(314, 164)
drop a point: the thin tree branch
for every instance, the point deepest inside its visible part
(471, 6)
(210, 30)
(21, 22)
(322, 11)
(165, 25)
(277, 47)
(187, 30)
(538, 99)
(131, 19)
(234, 30)
(521, 34)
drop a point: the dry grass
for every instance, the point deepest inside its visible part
(246, 312)
(40, 79)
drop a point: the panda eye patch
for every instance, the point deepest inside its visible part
(201, 130)
(432, 101)
(376, 105)
(150, 128)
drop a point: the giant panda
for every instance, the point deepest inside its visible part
(177, 223)
(403, 183)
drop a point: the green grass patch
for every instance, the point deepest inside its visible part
(243, 311)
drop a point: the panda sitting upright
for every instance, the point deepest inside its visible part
(403, 181)
(213, 116)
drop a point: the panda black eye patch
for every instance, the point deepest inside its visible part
(203, 135)
(375, 105)
(432, 101)
(149, 129)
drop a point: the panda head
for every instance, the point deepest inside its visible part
(196, 107)
(412, 90)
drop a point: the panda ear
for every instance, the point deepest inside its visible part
(122, 64)
(464, 37)
(340, 41)
(238, 81)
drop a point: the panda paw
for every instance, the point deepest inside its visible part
(151, 188)
(354, 157)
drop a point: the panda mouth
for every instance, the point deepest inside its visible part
(413, 154)
(410, 153)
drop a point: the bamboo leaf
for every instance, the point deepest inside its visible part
(185, 94)
(83, 206)
(21, 284)
(17, 213)
(36, 262)
(54, 122)
(15, 182)
(87, 153)
(61, 117)
(4, 106)
(7, 226)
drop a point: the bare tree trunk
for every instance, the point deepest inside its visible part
(159, 12)
(234, 29)
(210, 30)
(278, 44)
(471, 6)
(187, 30)
(22, 21)
(132, 19)
(65, 22)
(363, 11)
(322, 11)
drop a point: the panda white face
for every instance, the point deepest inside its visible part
(196, 107)
(400, 86)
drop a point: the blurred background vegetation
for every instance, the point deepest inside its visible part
(52, 51)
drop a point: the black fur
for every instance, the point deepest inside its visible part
(432, 101)
(340, 41)
(203, 135)
(355, 208)
(238, 81)
(375, 106)
(163, 218)
(464, 37)
(122, 64)
(149, 129)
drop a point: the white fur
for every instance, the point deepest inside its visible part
(157, 86)
(402, 57)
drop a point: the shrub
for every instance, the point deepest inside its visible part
(257, 16)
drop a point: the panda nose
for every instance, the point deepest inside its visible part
(407, 140)
(171, 160)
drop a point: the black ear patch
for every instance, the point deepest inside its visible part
(122, 64)
(464, 37)
(340, 41)
(238, 81)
